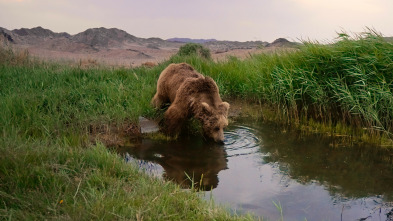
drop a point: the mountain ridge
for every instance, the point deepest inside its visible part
(109, 37)
(115, 46)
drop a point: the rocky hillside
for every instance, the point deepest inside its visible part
(282, 42)
(102, 38)
(32, 36)
(93, 39)
(117, 47)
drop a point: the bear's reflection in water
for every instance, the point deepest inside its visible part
(184, 161)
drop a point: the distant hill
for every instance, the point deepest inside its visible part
(4, 35)
(103, 37)
(389, 39)
(90, 40)
(39, 32)
(96, 40)
(282, 42)
(117, 47)
(190, 40)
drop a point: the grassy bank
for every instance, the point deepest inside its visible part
(345, 86)
(48, 167)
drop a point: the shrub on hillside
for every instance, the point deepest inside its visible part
(190, 49)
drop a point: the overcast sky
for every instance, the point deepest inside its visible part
(241, 20)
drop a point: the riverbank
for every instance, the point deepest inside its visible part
(50, 169)
(54, 165)
(344, 87)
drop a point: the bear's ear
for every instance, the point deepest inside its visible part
(224, 107)
(206, 107)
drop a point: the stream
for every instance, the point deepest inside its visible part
(276, 174)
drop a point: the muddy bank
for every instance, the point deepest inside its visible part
(342, 135)
(115, 135)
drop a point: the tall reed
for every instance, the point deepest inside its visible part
(349, 81)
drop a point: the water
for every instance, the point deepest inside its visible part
(260, 166)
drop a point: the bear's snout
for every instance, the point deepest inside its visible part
(218, 136)
(215, 128)
(219, 139)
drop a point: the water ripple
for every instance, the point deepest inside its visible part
(241, 140)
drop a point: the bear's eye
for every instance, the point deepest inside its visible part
(216, 129)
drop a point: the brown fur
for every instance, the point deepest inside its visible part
(191, 95)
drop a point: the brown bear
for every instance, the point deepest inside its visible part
(191, 95)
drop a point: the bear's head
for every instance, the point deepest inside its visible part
(214, 120)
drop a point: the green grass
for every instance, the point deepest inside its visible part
(349, 82)
(44, 101)
(57, 181)
(50, 170)
(48, 167)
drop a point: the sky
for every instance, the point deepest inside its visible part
(235, 20)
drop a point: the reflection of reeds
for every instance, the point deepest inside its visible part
(348, 81)
(279, 209)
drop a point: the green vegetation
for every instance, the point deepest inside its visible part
(50, 170)
(193, 49)
(348, 83)
(48, 167)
